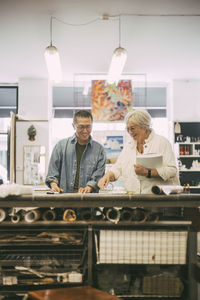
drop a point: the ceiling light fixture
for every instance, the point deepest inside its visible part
(52, 59)
(118, 61)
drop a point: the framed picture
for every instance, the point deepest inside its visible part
(113, 146)
(34, 165)
(111, 102)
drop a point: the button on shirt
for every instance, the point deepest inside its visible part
(125, 165)
(63, 165)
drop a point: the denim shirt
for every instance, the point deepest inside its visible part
(63, 165)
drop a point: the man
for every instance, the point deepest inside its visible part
(78, 162)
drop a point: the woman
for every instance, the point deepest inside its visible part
(136, 178)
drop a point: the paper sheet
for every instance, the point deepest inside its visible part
(151, 160)
(15, 189)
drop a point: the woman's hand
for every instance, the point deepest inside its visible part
(55, 187)
(140, 170)
(105, 180)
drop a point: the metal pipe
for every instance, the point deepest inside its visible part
(102, 200)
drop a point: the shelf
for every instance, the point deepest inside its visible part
(190, 156)
(189, 143)
(194, 187)
(189, 170)
(187, 151)
(162, 297)
(36, 252)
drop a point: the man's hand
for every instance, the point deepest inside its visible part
(87, 189)
(55, 187)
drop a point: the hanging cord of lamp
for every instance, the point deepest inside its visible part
(119, 55)
(51, 54)
(53, 59)
(117, 62)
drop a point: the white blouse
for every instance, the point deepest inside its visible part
(124, 165)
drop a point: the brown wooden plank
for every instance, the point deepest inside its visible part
(74, 293)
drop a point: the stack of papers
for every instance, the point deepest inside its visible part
(15, 189)
(151, 160)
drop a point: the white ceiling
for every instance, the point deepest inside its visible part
(162, 47)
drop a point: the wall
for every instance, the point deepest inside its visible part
(186, 105)
(35, 108)
(35, 99)
(22, 139)
(186, 100)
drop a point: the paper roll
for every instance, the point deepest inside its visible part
(167, 189)
(2, 214)
(15, 218)
(32, 216)
(49, 215)
(113, 215)
(69, 215)
(139, 215)
(126, 214)
(86, 214)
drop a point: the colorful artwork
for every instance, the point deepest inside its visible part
(111, 102)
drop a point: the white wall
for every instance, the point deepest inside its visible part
(22, 139)
(186, 100)
(35, 108)
(35, 99)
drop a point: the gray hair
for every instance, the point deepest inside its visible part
(139, 117)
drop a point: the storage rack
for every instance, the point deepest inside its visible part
(90, 228)
(187, 149)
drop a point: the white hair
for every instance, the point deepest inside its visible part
(139, 117)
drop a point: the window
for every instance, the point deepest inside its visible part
(8, 104)
(69, 99)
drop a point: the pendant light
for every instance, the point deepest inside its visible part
(52, 59)
(118, 61)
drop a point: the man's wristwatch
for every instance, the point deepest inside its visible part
(149, 173)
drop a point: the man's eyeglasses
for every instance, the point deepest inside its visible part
(82, 127)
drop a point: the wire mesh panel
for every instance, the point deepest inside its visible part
(137, 281)
(142, 247)
(163, 284)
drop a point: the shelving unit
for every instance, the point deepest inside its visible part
(41, 255)
(130, 259)
(131, 249)
(187, 150)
